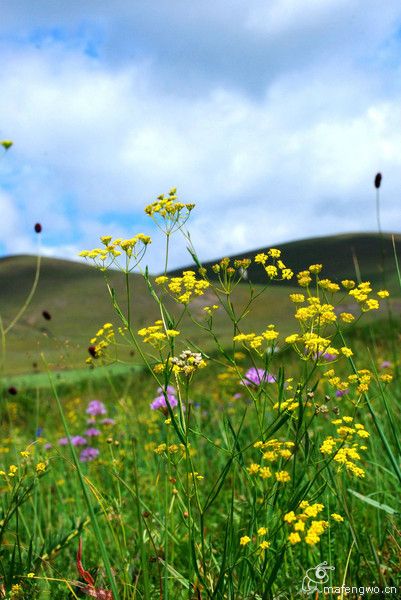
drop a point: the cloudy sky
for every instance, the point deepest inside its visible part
(273, 116)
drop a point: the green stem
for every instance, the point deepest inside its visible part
(85, 492)
(28, 299)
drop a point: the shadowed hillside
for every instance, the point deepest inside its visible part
(342, 256)
(76, 298)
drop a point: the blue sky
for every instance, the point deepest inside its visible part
(273, 117)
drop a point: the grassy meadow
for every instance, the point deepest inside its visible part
(228, 431)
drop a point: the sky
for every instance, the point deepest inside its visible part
(273, 117)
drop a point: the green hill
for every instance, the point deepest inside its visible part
(343, 256)
(76, 298)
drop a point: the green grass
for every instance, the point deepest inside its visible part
(178, 502)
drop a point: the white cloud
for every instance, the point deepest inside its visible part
(94, 143)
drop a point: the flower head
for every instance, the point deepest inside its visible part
(257, 376)
(92, 432)
(78, 440)
(88, 454)
(96, 407)
(160, 403)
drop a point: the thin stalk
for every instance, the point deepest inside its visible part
(28, 299)
(144, 557)
(167, 251)
(85, 492)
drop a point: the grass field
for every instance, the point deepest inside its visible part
(268, 466)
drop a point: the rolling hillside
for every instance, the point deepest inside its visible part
(342, 256)
(75, 297)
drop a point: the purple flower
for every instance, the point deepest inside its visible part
(88, 454)
(329, 357)
(78, 440)
(107, 421)
(237, 396)
(92, 431)
(95, 407)
(170, 390)
(257, 377)
(159, 403)
(325, 355)
(341, 393)
(48, 446)
(386, 364)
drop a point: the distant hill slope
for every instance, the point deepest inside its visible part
(341, 255)
(75, 296)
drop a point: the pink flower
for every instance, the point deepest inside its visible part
(257, 376)
(160, 403)
(95, 407)
(88, 454)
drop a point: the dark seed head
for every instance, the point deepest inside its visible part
(378, 180)
(12, 391)
(46, 315)
(38, 227)
(92, 351)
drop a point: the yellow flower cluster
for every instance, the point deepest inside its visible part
(254, 341)
(302, 530)
(17, 592)
(344, 448)
(273, 265)
(329, 286)
(315, 313)
(101, 341)
(171, 212)
(195, 475)
(272, 451)
(262, 544)
(361, 380)
(230, 275)
(183, 288)
(210, 310)
(15, 471)
(104, 257)
(167, 206)
(361, 294)
(313, 344)
(289, 404)
(171, 449)
(156, 334)
(386, 377)
(12, 471)
(224, 266)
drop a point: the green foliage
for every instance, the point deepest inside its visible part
(277, 450)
